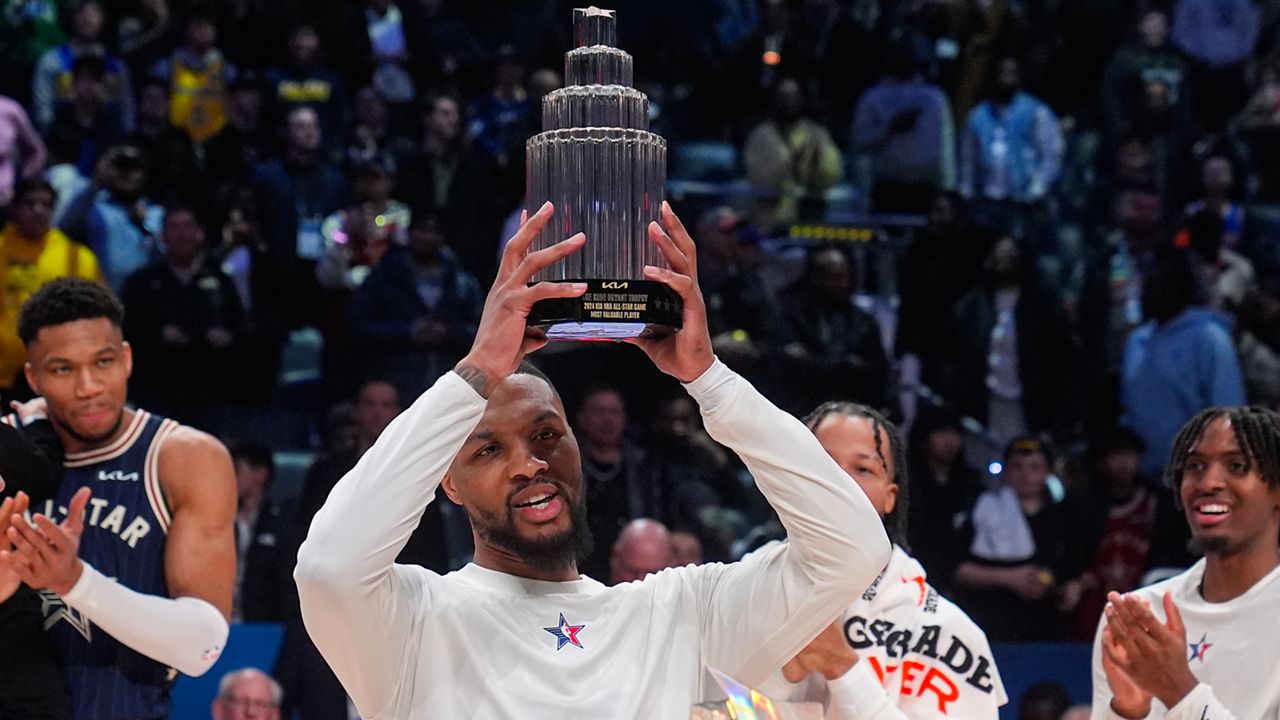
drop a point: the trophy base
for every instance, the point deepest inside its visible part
(609, 310)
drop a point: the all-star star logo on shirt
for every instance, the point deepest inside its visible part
(56, 609)
(565, 633)
(1198, 649)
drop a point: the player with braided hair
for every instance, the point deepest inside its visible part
(901, 650)
(1204, 644)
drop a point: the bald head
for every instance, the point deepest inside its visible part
(247, 694)
(643, 547)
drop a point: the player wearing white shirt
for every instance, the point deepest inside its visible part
(1205, 645)
(900, 650)
(520, 633)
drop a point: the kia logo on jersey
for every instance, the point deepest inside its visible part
(118, 475)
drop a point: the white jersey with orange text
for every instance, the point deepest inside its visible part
(928, 657)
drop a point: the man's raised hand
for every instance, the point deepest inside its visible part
(504, 338)
(687, 354)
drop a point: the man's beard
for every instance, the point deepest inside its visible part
(545, 554)
(1209, 545)
(92, 441)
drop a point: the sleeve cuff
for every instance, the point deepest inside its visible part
(858, 692)
(1194, 705)
(707, 383)
(82, 592)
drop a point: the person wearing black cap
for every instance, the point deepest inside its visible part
(1020, 578)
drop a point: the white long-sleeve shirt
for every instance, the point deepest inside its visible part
(476, 643)
(1233, 648)
(920, 657)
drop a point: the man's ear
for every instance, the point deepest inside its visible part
(30, 372)
(450, 489)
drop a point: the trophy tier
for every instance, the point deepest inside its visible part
(605, 172)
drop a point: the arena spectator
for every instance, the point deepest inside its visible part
(304, 81)
(32, 252)
(198, 75)
(1177, 363)
(1008, 357)
(247, 694)
(52, 85)
(1020, 577)
(905, 122)
(123, 225)
(22, 152)
(828, 346)
(417, 309)
(261, 567)
(1148, 58)
(1010, 153)
(642, 548)
(296, 193)
(444, 174)
(184, 318)
(791, 157)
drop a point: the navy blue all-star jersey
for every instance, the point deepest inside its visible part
(125, 526)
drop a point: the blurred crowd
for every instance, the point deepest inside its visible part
(1066, 241)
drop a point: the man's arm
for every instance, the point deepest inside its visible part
(187, 630)
(754, 616)
(358, 607)
(759, 614)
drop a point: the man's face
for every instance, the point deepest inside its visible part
(686, 549)
(425, 240)
(251, 479)
(851, 442)
(82, 369)
(1217, 175)
(678, 419)
(370, 109)
(183, 236)
(519, 476)
(1026, 473)
(1154, 29)
(246, 104)
(304, 130)
(153, 103)
(602, 418)
(249, 698)
(201, 35)
(832, 276)
(444, 119)
(88, 22)
(33, 214)
(944, 444)
(1121, 466)
(1228, 504)
(1009, 77)
(304, 46)
(640, 557)
(377, 405)
(1140, 213)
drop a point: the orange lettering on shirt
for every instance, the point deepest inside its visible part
(909, 670)
(947, 691)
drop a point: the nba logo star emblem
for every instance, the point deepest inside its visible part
(565, 633)
(1198, 649)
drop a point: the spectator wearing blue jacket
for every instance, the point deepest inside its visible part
(1010, 154)
(1181, 361)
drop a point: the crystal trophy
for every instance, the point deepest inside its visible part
(597, 162)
